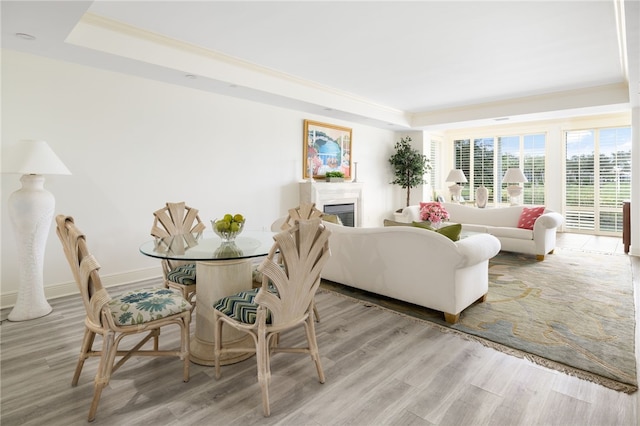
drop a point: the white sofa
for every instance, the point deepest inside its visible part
(503, 224)
(412, 264)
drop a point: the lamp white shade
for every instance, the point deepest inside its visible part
(514, 175)
(456, 175)
(33, 157)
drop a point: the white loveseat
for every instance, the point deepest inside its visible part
(413, 265)
(503, 224)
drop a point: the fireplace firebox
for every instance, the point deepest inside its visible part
(345, 212)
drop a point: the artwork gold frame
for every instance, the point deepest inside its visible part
(326, 147)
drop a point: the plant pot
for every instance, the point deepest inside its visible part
(335, 179)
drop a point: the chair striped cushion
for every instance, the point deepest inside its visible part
(140, 306)
(241, 307)
(183, 274)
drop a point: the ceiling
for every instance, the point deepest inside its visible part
(397, 65)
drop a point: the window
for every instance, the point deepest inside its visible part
(486, 160)
(483, 161)
(509, 158)
(598, 178)
(533, 150)
(462, 161)
(435, 156)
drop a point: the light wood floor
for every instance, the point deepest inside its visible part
(594, 243)
(380, 368)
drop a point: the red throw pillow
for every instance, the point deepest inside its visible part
(528, 216)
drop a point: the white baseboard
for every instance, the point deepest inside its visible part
(142, 276)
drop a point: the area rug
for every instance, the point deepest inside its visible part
(572, 312)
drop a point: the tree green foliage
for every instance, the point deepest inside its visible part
(409, 166)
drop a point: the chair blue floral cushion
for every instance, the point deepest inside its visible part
(241, 307)
(141, 306)
(183, 274)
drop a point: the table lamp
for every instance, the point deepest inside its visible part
(31, 210)
(456, 176)
(516, 177)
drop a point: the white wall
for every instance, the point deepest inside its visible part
(133, 144)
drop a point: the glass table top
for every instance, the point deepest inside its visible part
(209, 247)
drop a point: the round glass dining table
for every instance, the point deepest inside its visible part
(222, 269)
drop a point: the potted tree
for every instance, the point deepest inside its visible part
(409, 166)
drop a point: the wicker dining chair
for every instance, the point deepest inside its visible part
(304, 211)
(143, 311)
(180, 221)
(284, 301)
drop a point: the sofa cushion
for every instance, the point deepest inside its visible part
(450, 231)
(509, 232)
(503, 216)
(528, 216)
(469, 227)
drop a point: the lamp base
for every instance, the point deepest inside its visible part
(31, 210)
(514, 192)
(25, 313)
(456, 191)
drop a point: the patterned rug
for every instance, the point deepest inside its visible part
(572, 312)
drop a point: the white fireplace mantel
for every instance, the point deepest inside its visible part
(326, 193)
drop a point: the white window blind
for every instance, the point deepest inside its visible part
(462, 161)
(533, 167)
(579, 180)
(598, 178)
(483, 162)
(615, 176)
(508, 157)
(435, 156)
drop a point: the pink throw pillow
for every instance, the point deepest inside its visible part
(529, 216)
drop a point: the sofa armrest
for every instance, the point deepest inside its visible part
(544, 233)
(549, 220)
(409, 214)
(477, 248)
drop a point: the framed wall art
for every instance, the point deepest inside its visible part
(326, 148)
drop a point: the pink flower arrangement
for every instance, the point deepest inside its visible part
(434, 212)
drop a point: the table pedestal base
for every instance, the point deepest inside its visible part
(216, 280)
(206, 348)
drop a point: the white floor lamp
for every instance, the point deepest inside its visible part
(31, 210)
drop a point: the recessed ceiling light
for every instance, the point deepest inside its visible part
(191, 76)
(328, 109)
(501, 119)
(25, 36)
